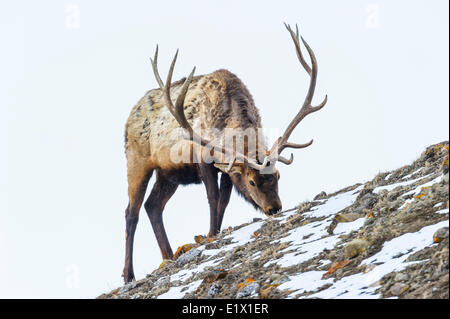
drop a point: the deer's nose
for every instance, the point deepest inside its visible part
(273, 210)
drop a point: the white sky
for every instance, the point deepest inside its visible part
(68, 85)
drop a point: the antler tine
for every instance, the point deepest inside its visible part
(286, 161)
(154, 63)
(169, 74)
(306, 108)
(293, 145)
(295, 38)
(312, 84)
(179, 104)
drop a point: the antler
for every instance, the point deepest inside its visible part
(178, 112)
(307, 108)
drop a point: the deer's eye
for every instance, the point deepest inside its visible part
(252, 183)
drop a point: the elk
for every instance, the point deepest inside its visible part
(212, 103)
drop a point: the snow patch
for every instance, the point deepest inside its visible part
(180, 291)
(310, 240)
(334, 204)
(391, 258)
(242, 236)
(390, 187)
(415, 172)
(186, 274)
(443, 211)
(307, 281)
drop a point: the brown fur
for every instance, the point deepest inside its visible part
(218, 100)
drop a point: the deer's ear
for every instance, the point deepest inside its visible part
(235, 169)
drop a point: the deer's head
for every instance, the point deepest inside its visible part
(261, 190)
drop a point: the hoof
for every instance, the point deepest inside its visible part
(128, 276)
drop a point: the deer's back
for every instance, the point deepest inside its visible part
(215, 100)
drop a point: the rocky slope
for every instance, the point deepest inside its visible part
(386, 238)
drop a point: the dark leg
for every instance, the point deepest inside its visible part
(136, 193)
(162, 191)
(224, 197)
(209, 176)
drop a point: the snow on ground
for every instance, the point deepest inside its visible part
(334, 204)
(305, 249)
(443, 211)
(419, 188)
(185, 274)
(310, 240)
(242, 236)
(306, 281)
(415, 172)
(306, 241)
(363, 285)
(179, 292)
(239, 237)
(416, 191)
(395, 185)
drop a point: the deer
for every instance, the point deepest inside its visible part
(178, 114)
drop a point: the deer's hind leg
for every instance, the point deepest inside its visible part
(162, 191)
(137, 185)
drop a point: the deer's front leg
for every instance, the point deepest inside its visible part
(224, 197)
(209, 176)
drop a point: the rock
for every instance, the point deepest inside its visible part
(445, 166)
(445, 178)
(214, 275)
(401, 277)
(200, 239)
(311, 267)
(335, 267)
(213, 290)
(370, 218)
(265, 292)
(347, 217)
(163, 281)
(367, 201)
(273, 276)
(321, 195)
(278, 279)
(211, 246)
(355, 247)
(182, 249)
(248, 290)
(398, 288)
(339, 272)
(369, 268)
(127, 287)
(188, 257)
(440, 234)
